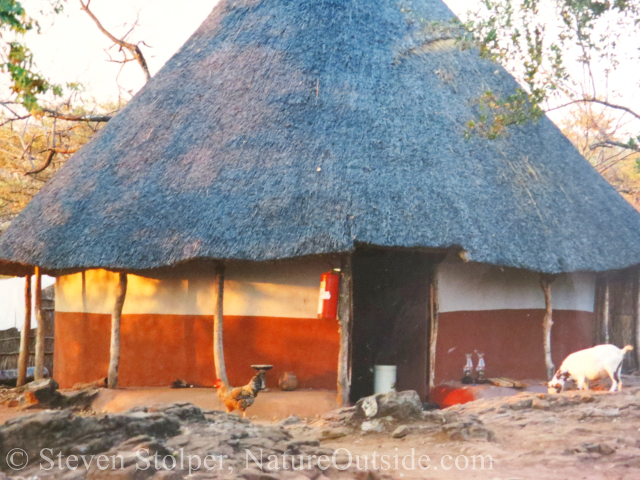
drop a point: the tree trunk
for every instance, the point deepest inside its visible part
(218, 326)
(40, 332)
(433, 317)
(116, 317)
(23, 360)
(345, 314)
(545, 284)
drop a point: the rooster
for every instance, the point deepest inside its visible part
(240, 398)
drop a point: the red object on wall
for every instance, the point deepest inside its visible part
(328, 302)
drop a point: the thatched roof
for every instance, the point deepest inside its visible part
(286, 128)
(14, 269)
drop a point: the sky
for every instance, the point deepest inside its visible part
(71, 49)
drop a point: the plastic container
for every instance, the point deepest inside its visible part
(384, 378)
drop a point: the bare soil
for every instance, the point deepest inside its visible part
(573, 435)
(591, 435)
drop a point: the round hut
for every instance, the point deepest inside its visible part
(291, 138)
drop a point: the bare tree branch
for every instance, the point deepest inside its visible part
(611, 143)
(52, 154)
(77, 118)
(600, 102)
(132, 48)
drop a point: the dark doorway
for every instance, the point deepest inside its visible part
(391, 303)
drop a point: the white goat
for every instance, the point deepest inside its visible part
(591, 364)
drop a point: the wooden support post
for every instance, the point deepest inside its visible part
(23, 359)
(218, 327)
(344, 324)
(433, 318)
(39, 367)
(637, 319)
(606, 314)
(116, 318)
(547, 323)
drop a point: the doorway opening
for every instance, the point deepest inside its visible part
(391, 318)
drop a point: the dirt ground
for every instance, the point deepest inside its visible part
(595, 436)
(574, 435)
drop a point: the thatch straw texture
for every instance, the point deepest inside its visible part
(286, 128)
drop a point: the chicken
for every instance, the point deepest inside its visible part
(240, 398)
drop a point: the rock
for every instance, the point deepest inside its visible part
(295, 445)
(367, 475)
(600, 412)
(61, 430)
(131, 472)
(587, 398)
(522, 404)
(540, 404)
(374, 425)
(344, 415)
(467, 430)
(78, 400)
(370, 407)
(482, 433)
(399, 405)
(42, 392)
(288, 381)
(251, 474)
(333, 433)
(184, 411)
(293, 476)
(167, 475)
(400, 432)
(606, 449)
(439, 416)
(292, 420)
(428, 406)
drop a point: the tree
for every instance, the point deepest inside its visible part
(42, 124)
(564, 53)
(588, 127)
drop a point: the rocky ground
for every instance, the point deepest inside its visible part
(530, 436)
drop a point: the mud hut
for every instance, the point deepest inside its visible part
(288, 138)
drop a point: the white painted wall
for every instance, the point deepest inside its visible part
(12, 301)
(280, 289)
(290, 290)
(474, 286)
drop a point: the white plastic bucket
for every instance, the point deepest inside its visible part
(384, 378)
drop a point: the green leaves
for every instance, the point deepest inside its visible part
(536, 45)
(26, 83)
(13, 17)
(17, 59)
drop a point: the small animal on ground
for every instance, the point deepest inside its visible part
(240, 398)
(591, 364)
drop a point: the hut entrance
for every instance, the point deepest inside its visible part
(390, 318)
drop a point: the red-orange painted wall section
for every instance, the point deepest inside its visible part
(158, 349)
(510, 339)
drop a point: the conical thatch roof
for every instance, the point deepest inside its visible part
(285, 128)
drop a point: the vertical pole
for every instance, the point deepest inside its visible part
(40, 332)
(344, 326)
(606, 314)
(637, 319)
(218, 327)
(23, 360)
(116, 318)
(547, 323)
(433, 339)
